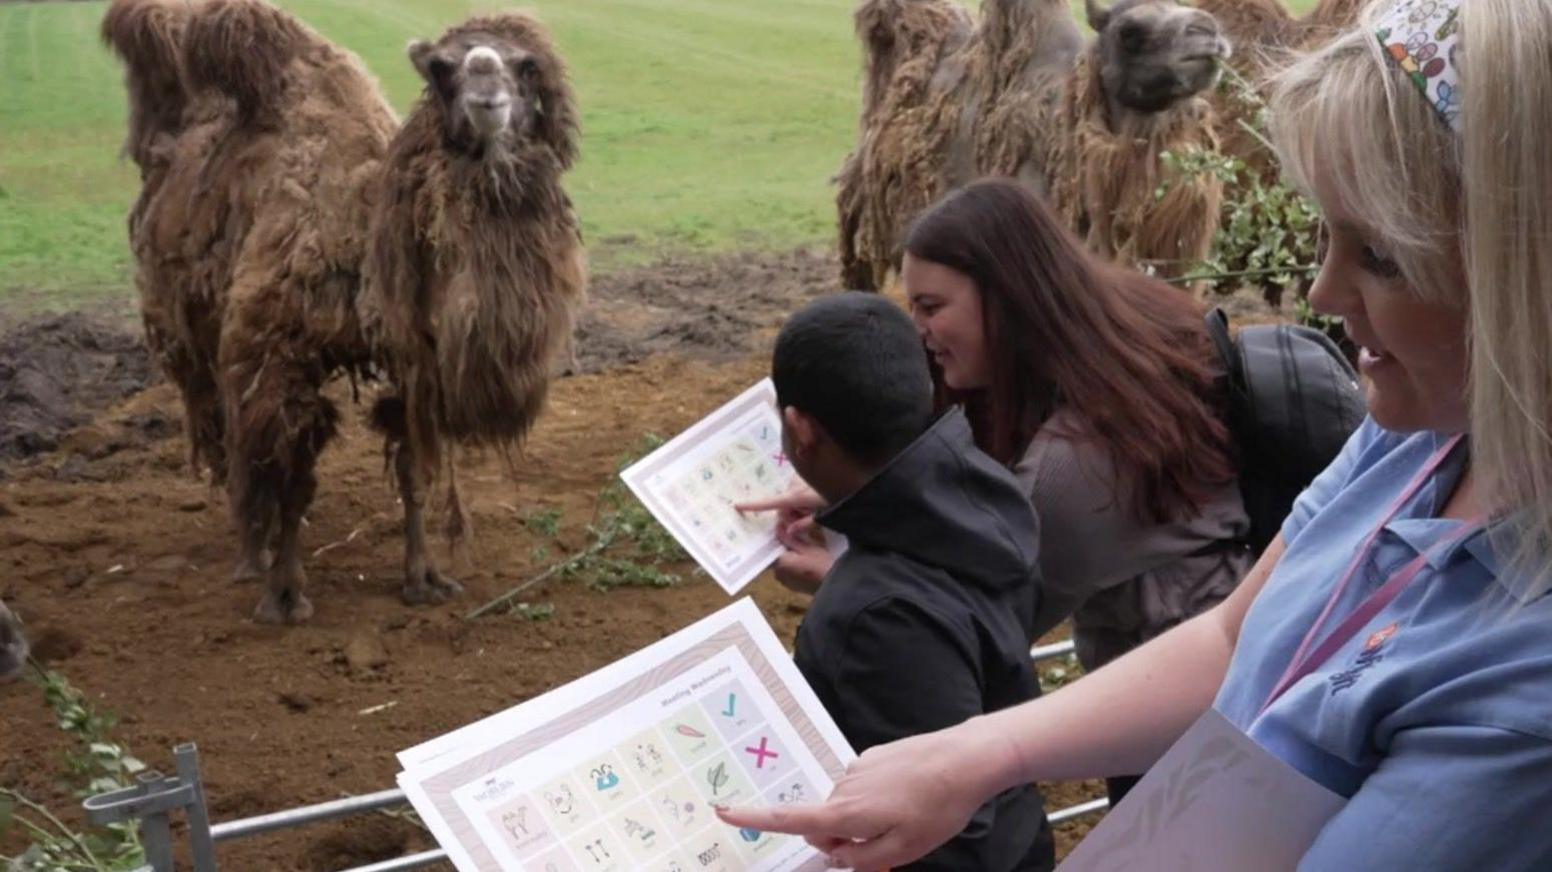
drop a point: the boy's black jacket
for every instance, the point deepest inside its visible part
(926, 619)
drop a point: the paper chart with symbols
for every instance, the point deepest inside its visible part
(620, 769)
(691, 484)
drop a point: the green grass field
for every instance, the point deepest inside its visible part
(707, 125)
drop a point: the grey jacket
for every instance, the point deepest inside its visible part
(1121, 581)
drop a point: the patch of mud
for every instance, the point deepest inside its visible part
(57, 371)
(359, 842)
(715, 309)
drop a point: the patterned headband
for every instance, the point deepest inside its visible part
(1423, 38)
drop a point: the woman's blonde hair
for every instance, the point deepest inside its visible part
(1349, 126)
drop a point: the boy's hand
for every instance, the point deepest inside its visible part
(799, 503)
(806, 562)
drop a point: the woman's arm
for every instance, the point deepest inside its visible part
(901, 800)
(1156, 692)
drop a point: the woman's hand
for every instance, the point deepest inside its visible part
(899, 801)
(807, 560)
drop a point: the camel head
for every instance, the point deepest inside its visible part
(499, 84)
(1155, 53)
(13, 648)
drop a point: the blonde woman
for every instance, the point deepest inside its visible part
(1395, 642)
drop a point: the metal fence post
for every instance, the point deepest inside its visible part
(200, 841)
(151, 801)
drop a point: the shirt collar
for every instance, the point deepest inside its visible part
(1484, 547)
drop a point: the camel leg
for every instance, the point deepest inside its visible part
(255, 500)
(276, 437)
(254, 558)
(268, 502)
(856, 270)
(284, 602)
(423, 583)
(206, 427)
(296, 451)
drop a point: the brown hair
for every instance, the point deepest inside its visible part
(1128, 353)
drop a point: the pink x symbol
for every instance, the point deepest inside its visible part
(780, 458)
(761, 753)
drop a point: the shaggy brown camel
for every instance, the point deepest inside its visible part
(13, 645)
(476, 268)
(1016, 94)
(249, 235)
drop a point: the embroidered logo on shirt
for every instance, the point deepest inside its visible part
(1373, 652)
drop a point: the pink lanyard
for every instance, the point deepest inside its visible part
(1306, 661)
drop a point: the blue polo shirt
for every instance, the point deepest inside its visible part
(1436, 718)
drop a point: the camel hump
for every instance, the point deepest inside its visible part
(893, 32)
(883, 26)
(242, 48)
(146, 35)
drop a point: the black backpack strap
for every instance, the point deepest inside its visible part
(1218, 329)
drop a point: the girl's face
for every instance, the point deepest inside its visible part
(946, 306)
(1414, 352)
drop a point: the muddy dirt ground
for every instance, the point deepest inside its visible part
(118, 559)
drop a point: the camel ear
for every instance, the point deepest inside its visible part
(557, 115)
(432, 65)
(1098, 16)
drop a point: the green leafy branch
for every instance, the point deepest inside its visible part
(100, 766)
(626, 546)
(1268, 232)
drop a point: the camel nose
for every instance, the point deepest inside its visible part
(482, 60)
(1204, 26)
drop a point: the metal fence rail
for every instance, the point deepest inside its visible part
(311, 814)
(155, 798)
(1077, 811)
(400, 864)
(1054, 651)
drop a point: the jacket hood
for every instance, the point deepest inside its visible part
(944, 503)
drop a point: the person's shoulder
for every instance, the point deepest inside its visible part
(1374, 464)
(1059, 457)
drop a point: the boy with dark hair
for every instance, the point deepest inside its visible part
(926, 620)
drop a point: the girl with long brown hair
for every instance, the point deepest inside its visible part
(1096, 384)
